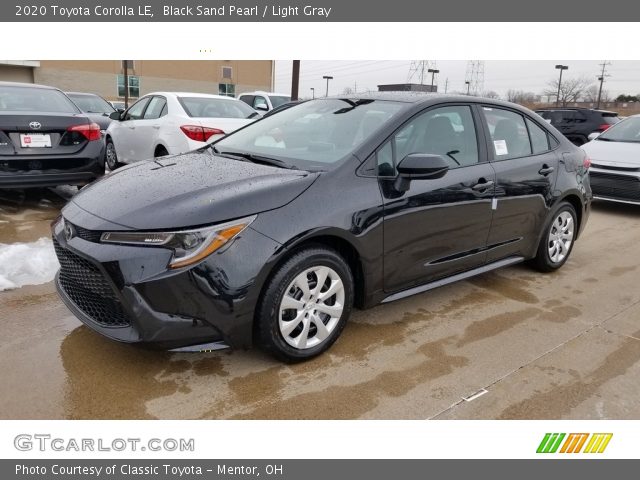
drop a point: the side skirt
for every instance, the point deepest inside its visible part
(454, 278)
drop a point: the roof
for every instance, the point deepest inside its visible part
(83, 93)
(32, 85)
(414, 97)
(576, 108)
(191, 94)
(262, 92)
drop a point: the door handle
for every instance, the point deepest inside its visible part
(482, 185)
(546, 170)
(157, 127)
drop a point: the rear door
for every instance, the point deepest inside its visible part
(526, 165)
(439, 226)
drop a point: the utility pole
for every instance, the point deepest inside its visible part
(125, 69)
(446, 85)
(468, 83)
(295, 80)
(313, 93)
(433, 72)
(604, 66)
(327, 78)
(561, 68)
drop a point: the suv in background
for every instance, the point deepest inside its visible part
(264, 101)
(578, 123)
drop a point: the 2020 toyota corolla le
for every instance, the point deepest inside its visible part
(274, 233)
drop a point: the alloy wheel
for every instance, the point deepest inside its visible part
(311, 307)
(561, 237)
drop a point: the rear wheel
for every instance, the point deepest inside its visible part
(557, 240)
(111, 157)
(305, 305)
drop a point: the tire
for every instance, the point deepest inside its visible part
(110, 156)
(557, 239)
(294, 342)
(160, 152)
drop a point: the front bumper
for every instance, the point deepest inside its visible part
(127, 294)
(615, 185)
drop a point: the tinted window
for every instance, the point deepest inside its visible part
(155, 108)
(26, 99)
(509, 137)
(277, 100)
(136, 110)
(248, 99)
(91, 103)
(210, 107)
(314, 133)
(539, 138)
(446, 131)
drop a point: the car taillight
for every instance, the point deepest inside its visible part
(200, 134)
(603, 127)
(586, 163)
(89, 131)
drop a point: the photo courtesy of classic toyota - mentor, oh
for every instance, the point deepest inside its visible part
(274, 233)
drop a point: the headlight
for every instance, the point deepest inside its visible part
(189, 246)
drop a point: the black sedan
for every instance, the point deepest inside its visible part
(274, 233)
(45, 139)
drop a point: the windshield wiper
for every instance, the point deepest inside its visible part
(250, 157)
(253, 115)
(606, 139)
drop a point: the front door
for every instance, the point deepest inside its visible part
(438, 227)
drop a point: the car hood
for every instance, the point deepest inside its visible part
(613, 154)
(192, 189)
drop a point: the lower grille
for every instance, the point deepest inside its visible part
(615, 186)
(89, 290)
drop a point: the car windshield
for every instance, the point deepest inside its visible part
(205, 107)
(91, 103)
(312, 134)
(627, 130)
(33, 99)
(277, 100)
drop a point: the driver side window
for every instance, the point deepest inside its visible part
(136, 110)
(446, 131)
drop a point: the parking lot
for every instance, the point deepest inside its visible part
(563, 345)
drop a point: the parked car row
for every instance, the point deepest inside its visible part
(42, 142)
(578, 123)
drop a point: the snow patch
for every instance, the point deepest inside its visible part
(23, 264)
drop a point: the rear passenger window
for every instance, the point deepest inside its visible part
(156, 107)
(509, 136)
(539, 138)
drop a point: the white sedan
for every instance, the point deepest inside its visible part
(167, 123)
(615, 162)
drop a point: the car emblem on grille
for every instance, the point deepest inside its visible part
(35, 125)
(69, 232)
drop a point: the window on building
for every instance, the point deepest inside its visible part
(134, 86)
(227, 73)
(227, 89)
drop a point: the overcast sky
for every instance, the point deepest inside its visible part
(499, 75)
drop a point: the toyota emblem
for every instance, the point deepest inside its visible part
(35, 125)
(68, 231)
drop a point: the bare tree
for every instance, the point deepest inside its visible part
(571, 89)
(490, 94)
(520, 96)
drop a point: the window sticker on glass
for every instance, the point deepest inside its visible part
(500, 147)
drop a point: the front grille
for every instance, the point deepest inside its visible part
(88, 288)
(615, 186)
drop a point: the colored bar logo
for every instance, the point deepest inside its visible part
(574, 443)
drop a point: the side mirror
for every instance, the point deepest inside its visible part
(417, 166)
(117, 115)
(593, 135)
(262, 106)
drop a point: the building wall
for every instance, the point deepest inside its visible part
(14, 73)
(100, 76)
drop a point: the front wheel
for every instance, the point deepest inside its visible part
(557, 240)
(306, 305)
(111, 157)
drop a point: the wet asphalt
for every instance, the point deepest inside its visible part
(511, 344)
